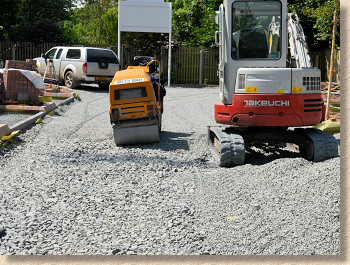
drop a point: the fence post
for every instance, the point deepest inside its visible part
(1, 61)
(176, 65)
(201, 67)
(121, 59)
(14, 51)
(162, 57)
(317, 60)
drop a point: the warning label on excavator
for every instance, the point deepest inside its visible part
(128, 81)
(250, 89)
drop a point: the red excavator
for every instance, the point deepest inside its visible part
(266, 93)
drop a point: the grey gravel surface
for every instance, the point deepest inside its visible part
(10, 118)
(13, 117)
(67, 189)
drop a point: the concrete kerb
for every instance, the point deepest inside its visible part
(30, 121)
(27, 122)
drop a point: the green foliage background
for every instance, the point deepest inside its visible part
(33, 20)
(316, 17)
(96, 22)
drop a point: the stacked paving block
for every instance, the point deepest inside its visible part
(17, 87)
(24, 65)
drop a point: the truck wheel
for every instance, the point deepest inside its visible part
(69, 80)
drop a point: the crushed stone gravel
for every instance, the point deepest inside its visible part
(13, 117)
(67, 189)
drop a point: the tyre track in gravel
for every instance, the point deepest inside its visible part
(86, 117)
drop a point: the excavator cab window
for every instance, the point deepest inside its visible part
(256, 30)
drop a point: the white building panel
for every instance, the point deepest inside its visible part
(145, 16)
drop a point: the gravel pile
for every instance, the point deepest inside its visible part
(67, 189)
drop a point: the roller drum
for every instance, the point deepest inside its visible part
(136, 134)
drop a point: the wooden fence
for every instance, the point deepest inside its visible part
(187, 62)
(24, 50)
(321, 60)
(10, 50)
(185, 66)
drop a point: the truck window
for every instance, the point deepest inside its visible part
(50, 54)
(256, 30)
(73, 54)
(58, 55)
(106, 56)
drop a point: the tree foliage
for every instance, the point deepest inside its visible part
(193, 21)
(96, 22)
(324, 21)
(316, 17)
(33, 20)
(8, 16)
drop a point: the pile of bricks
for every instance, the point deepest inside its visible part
(24, 65)
(17, 88)
(334, 87)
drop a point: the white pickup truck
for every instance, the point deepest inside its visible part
(74, 65)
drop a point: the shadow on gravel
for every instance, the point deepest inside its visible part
(260, 155)
(9, 146)
(338, 142)
(169, 141)
(91, 88)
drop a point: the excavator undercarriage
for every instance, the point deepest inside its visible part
(228, 143)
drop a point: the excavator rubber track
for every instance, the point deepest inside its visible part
(228, 144)
(228, 148)
(320, 146)
(137, 132)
